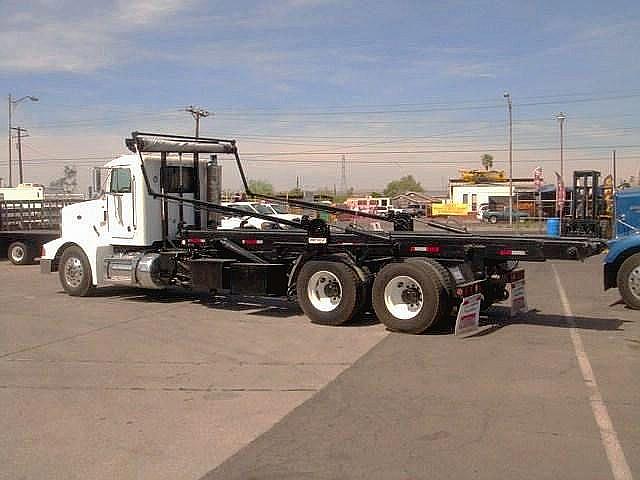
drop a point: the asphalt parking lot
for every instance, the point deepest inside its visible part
(136, 385)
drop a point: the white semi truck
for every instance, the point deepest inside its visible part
(149, 230)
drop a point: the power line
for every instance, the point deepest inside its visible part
(442, 107)
(415, 152)
(331, 163)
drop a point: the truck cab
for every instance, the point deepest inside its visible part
(622, 263)
(122, 223)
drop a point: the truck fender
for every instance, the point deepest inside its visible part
(619, 251)
(362, 273)
(53, 250)
(96, 254)
(51, 253)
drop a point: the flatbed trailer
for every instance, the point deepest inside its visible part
(26, 225)
(412, 280)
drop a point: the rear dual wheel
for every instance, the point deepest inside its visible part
(330, 292)
(411, 296)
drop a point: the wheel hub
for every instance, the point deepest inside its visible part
(634, 281)
(73, 272)
(332, 289)
(410, 295)
(17, 253)
(403, 297)
(324, 291)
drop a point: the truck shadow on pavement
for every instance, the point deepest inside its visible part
(498, 318)
(276, 307)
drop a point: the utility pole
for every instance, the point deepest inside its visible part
(615, 177)
(197, 113)
(507, 95)
(11, 103)
(561, 117)
(20, 131)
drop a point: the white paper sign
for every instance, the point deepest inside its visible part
(317, 240)
(468, 314)
(518, 297)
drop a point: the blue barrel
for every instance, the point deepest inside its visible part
(553, 227)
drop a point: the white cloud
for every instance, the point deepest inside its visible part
(147, 12)
(471, 70)
(68, 39)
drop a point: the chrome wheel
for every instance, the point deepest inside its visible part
(324, 291)
(17, 254)
(634, 282)
(403, 297)
(73, 272)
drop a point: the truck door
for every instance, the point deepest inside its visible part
(120, 204)
(627, 211)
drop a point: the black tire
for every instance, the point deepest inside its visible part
(349, 298)
(434, 299)
(19, 253)
(447, 281)
(629, 281)
(75, 272)
(492, 219)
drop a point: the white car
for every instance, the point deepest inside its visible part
(273, 210)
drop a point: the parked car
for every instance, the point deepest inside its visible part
(495, 216)
(415, 210)
(271, 209)
(483, 207)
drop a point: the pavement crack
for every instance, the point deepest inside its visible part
(172, 362)
(156, 389)
(78, 335)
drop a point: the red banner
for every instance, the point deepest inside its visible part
(538, 178)
(560, 193)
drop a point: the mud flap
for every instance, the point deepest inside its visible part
(517, 293)
(468, 319)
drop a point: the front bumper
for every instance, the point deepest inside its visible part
(610, 276)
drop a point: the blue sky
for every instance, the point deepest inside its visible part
(400, 87)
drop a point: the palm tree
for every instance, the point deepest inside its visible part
(487, 161)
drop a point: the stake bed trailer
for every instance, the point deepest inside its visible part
(411, 279)
(26, 225)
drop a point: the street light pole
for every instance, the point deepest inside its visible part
(11, 103)
(507, 95)
(561, 117)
